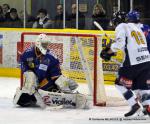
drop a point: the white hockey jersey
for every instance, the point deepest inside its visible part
(131, 40)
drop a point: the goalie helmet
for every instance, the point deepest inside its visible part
(119, 17)
(133, 16)
(42, 43)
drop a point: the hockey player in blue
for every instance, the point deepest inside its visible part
(146, 30)
(45, 66)
(43, 82)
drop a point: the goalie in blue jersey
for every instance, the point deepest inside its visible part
(40, 61)
(42, 77)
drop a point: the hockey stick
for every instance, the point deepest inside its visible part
(98, 25)
(101, 29)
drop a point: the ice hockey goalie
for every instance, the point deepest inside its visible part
(44, 84)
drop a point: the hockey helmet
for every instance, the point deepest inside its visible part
(42, 43)
(133, 16)
(119, 17)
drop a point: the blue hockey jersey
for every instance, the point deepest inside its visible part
(146, 30)
(45, 67)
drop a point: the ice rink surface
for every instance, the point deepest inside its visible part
(10, 114)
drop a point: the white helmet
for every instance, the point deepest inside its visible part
(42, 43)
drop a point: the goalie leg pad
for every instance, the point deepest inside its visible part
(67, 100)
(30, 81)
(81, 101)
(51, 98)
(39, 100)
(23, 98)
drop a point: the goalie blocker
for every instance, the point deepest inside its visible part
(30, 96)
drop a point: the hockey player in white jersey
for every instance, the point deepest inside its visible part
(134, 73)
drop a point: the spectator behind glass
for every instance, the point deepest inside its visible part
(29, 19)
(42, 20)
(58, 21)
(99, 15)
(2, 19)
(6, 11)
(72, 19)
(14, 21)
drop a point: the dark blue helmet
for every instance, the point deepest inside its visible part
(133, 16)
(119, 17)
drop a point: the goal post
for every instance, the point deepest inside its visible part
(79, 58)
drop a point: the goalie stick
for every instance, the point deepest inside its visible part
(101, 29)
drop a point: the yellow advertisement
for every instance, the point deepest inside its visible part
(110, 68)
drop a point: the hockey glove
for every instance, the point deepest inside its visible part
(106, 56)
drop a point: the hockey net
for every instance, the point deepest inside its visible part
(79, 58)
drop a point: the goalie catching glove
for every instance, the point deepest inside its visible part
(105, 55)
(65, 84)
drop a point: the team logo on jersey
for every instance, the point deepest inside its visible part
(43, 67)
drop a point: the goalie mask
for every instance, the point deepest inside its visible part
(42, 43)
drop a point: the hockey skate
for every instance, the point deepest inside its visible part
(135, 109)
(146, 110)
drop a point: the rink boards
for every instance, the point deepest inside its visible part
(9, 51)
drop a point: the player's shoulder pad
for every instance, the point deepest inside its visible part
(27, 52)
(121, 26)
(30, 49)
(51, 54)
(146, 27)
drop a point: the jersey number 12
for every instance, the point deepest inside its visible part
(138, 37)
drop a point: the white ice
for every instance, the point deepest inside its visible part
(10, 114)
